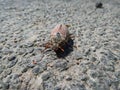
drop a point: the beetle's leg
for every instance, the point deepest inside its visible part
(61, 49)
(47, 45)
(71, 36)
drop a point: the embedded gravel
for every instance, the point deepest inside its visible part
(93, 65)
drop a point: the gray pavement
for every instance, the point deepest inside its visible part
(93, 65)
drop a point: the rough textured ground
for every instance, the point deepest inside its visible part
(26, 24)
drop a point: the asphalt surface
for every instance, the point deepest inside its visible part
(93, 65)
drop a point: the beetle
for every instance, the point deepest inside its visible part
(59, 36)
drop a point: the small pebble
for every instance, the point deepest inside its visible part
(4, 86)
(78, 56)
(29, 50)
(12, 57)
(111, 55)
(57, 88)
(99, 5)
(15, 76)
(87, 52)
(84, 78)
(12, 63)
(110, 68)
(24, 69)
(2, 68)
(37, 69)
(61, 65)
(30, 44)
(68, 78)
(117, 74)
(46, 76)
(93, 74)
(84, 69)
(91, 83)
(7, 72)
(77, 86)
(93, 59)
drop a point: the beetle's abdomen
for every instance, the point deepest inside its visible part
(61, 29)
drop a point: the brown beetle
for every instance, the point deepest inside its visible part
(59, 37)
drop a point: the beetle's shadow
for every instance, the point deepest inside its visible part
(68, 48)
